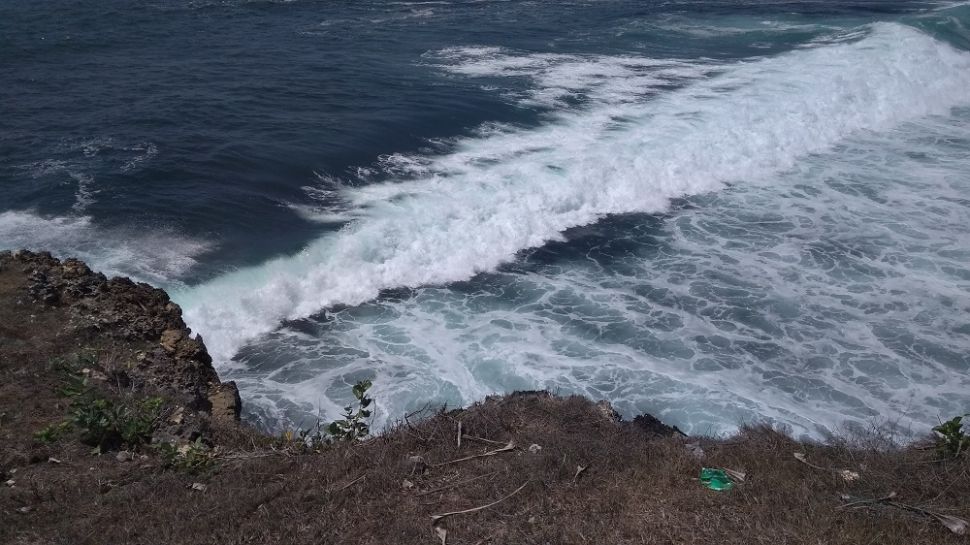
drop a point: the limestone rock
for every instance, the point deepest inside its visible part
(170, 339)
(225, 401)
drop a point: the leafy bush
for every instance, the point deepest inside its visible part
(192, 457)
(104, 423)
(353, 426)
(107, 425)
(73, 381)
(951, 440)
(50, 434)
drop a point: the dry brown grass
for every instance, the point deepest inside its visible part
(636, 489)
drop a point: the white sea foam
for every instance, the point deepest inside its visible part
(330, 205)
(834, 296)
(557, 77)
(495, 196)
(152, 255)
(633, 148)
(84, 195)
(129, 156)
(77, 159)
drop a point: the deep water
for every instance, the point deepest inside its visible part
(716, 212)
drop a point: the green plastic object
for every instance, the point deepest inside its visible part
(716, 479)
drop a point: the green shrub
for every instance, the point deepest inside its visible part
(353, 426)
(191, 457)
(107, 425)
(103, 423)
(50, 434)
(73, 381)
(951, 441)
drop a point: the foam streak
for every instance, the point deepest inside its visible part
(496, 195)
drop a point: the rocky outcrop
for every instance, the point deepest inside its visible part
(650, 425)
(226, 404)
(602, 412)
(155, 350)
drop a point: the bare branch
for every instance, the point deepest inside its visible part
(453, 485)
(351, 483)
(436, 518)
(506, 448)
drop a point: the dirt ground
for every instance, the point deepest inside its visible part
(530, 468)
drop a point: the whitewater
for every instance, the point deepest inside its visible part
(626, 151)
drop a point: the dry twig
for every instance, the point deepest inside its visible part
(955, 524)
(801, 458)
(482, 439)
(869, 501)
(453, 485)
(437, 518)
(506, 448)
(351, 483)
(249, 455)
(846, 474)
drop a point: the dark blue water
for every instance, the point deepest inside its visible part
(716, 211)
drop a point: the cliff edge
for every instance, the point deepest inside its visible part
(115, 428)
(120, 335)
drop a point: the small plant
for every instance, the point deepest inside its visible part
(951, 441)
(191, 457)
(82, 359)
(353, 426)
(311, 439)
(106, 425)
(73, 385)
(73, 381)
(50, 434)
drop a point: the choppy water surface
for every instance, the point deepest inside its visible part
(716, 212)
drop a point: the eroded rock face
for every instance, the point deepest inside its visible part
(226, 405)
(137, 316)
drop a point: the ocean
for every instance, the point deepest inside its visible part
(717, 212)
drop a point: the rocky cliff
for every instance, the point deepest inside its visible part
(125, 334)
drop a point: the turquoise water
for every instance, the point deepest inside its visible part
(718, 213)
